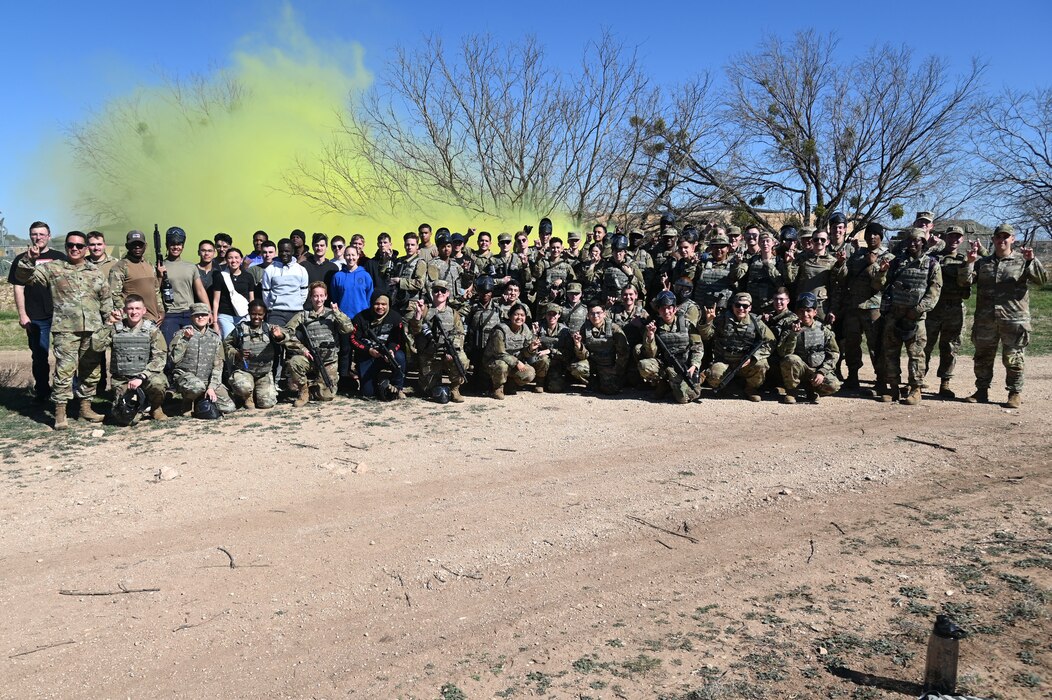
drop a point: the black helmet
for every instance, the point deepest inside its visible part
(440, 394)
(667, 219)
(545, 226)
(837, 218)
(788, 233)
(206, 409)
(384, 390)
(874, 229)
(127, 409)
(484, 284)
(619, 242)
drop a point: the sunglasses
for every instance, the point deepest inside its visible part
(742, 306)
(820, 240)
(76, 246)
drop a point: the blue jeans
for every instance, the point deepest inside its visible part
(369, 369)
(39, 335)
(227, 323)
(172, 322)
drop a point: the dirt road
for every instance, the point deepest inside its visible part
(545, 546)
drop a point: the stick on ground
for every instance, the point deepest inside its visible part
(122, 591)
(46, 646)
(228, 556)
(925, 442)
(634, 519)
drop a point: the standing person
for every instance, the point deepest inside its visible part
(427, 250)
(137, 354)
(911, 287)
(269, 254)
(379, 335)
(859, 279)
(337, 244)
(82, 301)
(251, 348)
(352, 290)
(321, 326)
(408, 275)
(233, 291)
(35, 308)
(196, 357)
(98, 255)
(945, 323)
(223, 243)
(319, 268)
(369, 265)
(187, 287)
(256, 256)
(132, 274)
(299, 244)
(284, 285)
(816, 275)
(207, 265)
(1002, 311)
(444, 267)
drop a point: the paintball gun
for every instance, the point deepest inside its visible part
(450, 347)
(315, 358)
(385, 352)
(167, 296)
(729, 376)
(681, 371)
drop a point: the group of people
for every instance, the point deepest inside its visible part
(667, 310)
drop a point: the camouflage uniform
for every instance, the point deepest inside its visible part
(761, 278)
(412, 278)
(197, 366)
(322, 328)
(552, 278)
(714, 283)
(807, 352)
(135, 352)
(450, 272)
(945, 323)
(911, 289)
(684, 341)
(560, 347)
(252, 378)
(1002, 314)
(860, 312)
(505, 350)
(815, 275)
(432, 348)
(602, 358)
(731, 340)
(82, 300)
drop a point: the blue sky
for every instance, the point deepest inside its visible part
(62, 61)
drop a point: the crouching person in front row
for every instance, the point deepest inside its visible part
(809, 353)
(137, 357)
(314, 345)
(250, 348)
(513, 356)
(196, 356)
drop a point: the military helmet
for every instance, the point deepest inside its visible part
(788, 233)
(619, 242)
(667, 219)
(665, 298)
(206, 409)
(484, 284)
(440, 394)
(127, 409)
(545, 226)
(807, 300)
(837, 218)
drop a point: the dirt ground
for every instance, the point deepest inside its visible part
(545, 546)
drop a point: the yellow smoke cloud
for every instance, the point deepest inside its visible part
(211, 154)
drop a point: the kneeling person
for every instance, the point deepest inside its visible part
(600, 351)
(196, 355)
(319, 329)
(250, 348)
(137, 356)
(738, 336)
(669, 340)
(513, 354)
(809, 353)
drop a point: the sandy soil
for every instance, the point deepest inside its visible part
(545, 546)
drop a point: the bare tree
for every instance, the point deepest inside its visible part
(489, 128)
(1013, 142)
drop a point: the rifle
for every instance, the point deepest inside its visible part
(681, 371)
(167, 296)
(385, 352)
(729, 376)
(448, 342)
(319, 366)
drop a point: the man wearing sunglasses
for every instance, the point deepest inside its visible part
(35, 309)
(815, 275)
(1002, 311)
(82, 303)
(734, 334)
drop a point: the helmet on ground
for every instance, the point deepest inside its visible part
(440, 394)
(206, 409)
(127, 409)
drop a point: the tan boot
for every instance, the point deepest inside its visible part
(752, 395)
(914, 397)
(498, 393)
(889, 393)
(980, 396)
(1014, 399)
(787, 398)
(88, 413)
(61, 422)
(454, 394)
(250, 402)
(945, 391)
(302, 397)
(158, 414)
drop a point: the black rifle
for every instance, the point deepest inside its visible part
(319, 366)
(450, 348)
(729, 376)
(677, 365)
(385, 352)
(167, 295)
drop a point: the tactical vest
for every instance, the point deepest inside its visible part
(550, 341)
(952, 292)
(515, 343)
(200, 354)
(451, 274)
(447, 318)
(731, 342)
(483, 321)
(614, 278)
(259, 344)
(558, 271)
(761, 283)
(404, 268)
(811, 345)
(575, 317)
(321, 331)
(814, 276)
(131, 349)
(676, 340)
(910, 281)
(712, 285)
(600, 348)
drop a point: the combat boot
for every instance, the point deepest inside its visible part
(1014, 399)
(538, 389)
(914, 396)
(752, 394)
(980, 396)
(812, 395)
(890, 393)
(454, 394)
(250, 401)
(945, 391)
(787, 398)
(158, 413)
(88, 413)
(850, 384)
(61, 422)
(302, 397)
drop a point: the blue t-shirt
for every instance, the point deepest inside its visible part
(351, 290)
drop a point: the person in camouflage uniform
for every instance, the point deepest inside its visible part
(436, 356)
(680, 338)
(733, 334)
(816, 274)
(137, 353)
(860, 307)
(444, 267)
(514, 357)
(911, 287)
(321, 325)
(408, 275)
(640, 256)
(555, 338)
(600, 352)
(945, 323)
(250, 349)
(574, 310)
(553, 273)
(82, 302)
(1002, 311)
(196, 358)
(714, 278)
(809, 353)
(763, 273)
